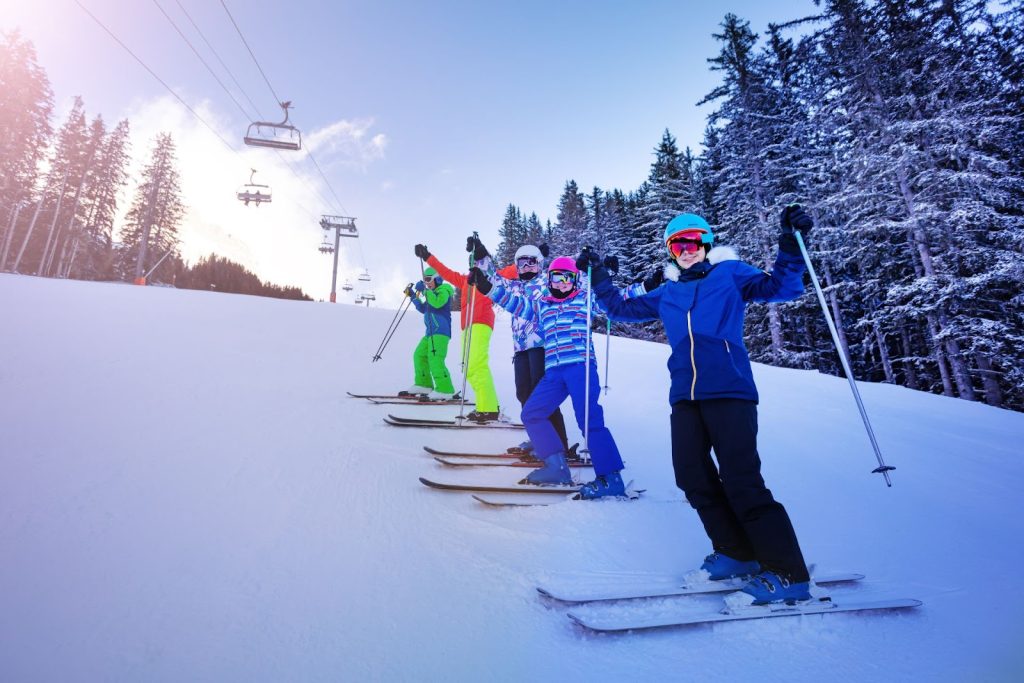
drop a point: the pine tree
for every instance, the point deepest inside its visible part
(151, 224)
(26, 103)
(512, 233)
(570, 228)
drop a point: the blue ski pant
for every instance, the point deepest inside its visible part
(557, 383)
(738, 512)
(529, 370)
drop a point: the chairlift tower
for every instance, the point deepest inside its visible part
(343, 226)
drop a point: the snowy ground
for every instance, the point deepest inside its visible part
(188, 494)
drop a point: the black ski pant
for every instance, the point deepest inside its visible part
(529, 368)
(739, 514)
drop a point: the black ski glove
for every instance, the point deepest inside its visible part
(793, 219)
(478, 279)
(544, 249)
(611, 263)
(474, 245)
(587, 258)
(421, 251)
(656, 279)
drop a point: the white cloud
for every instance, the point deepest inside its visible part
(349, 143)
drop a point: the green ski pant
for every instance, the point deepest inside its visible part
(428, 362)
(478, 372)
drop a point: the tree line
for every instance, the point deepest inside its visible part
(898, 124)
(60, 192)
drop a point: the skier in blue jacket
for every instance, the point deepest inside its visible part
(560, 310)
(714, 399)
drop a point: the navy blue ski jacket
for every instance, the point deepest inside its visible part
(703, 316)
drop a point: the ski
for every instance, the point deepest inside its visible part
(462, 461)
(454, 454)
(521, 488)
(518, 500)
(395, 399)
(449, 424)
(521, 500)
(637, 622)
(425, 402)
(661, 587)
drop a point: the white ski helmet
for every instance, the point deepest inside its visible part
(529, 250)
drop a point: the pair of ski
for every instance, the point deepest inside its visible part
(665, 587)
(455, 423)
(408, 400)
(453, 459)
(516, 495)
(522, 495)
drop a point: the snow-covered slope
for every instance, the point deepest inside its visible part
(186, 493)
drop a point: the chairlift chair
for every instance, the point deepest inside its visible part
(254, 192)
(364, 276)
(281, 135)
(347, 287)
(369, 296)
(326, 247)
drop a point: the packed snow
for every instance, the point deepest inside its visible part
(187, 493)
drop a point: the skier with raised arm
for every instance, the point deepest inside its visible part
(476, 332)
(432, 297)
(714, 399)
(560, 311)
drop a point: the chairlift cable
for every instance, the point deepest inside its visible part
(251, 54)
(217, 55)
(153, 74)
(203, 61)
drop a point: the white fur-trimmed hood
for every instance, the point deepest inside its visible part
(716, 255)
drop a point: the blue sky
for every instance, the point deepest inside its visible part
(427, 118)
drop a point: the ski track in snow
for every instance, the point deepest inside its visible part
(188, 494)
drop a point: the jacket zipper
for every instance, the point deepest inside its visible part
(693, 360)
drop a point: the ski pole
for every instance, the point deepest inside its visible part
(586, 406)
(393, 327)
(392, 334)
(467, 339)
(423, 278)
(882, 468)
(607, 353)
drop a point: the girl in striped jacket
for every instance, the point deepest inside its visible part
(560, 311)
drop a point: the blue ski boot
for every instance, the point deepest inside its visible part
(554, 472)
(769, 587)
(522, 449)
(606, 485)
(720, 567)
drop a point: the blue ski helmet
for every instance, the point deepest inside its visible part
(689, 222)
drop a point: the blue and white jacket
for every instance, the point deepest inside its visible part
(702, 309)
(560, 323)
(525, 329)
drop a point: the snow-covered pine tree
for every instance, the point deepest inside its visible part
(746, 187)
(91, 250)
(512, 233)
(26, 103)
(571, 224)
(151, 224)
(64, 175)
